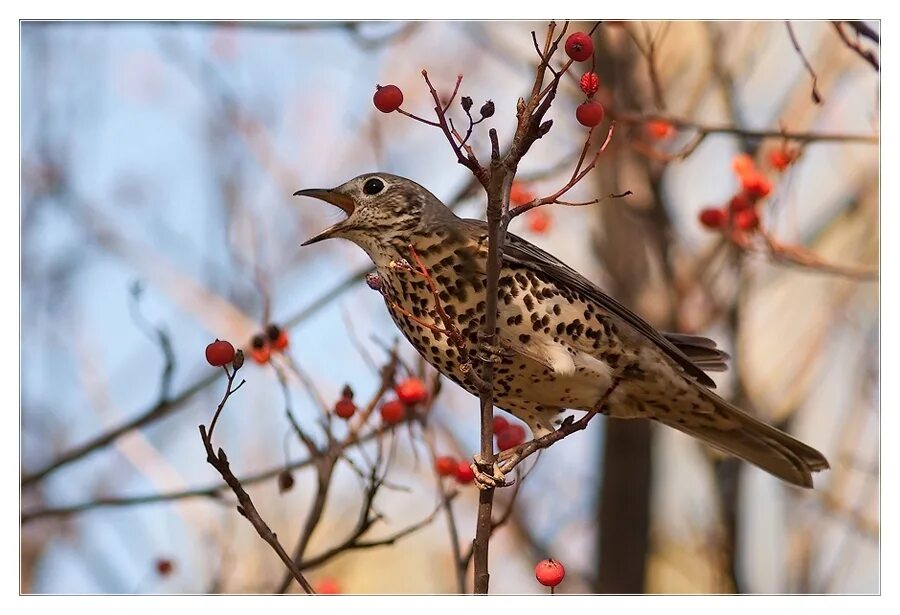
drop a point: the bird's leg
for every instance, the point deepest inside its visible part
(488, 476)
(507, 460)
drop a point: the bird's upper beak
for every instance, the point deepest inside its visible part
(337, 199)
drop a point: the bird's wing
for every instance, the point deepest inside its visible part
(690, 352)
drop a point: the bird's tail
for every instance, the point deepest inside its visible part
(737, 433)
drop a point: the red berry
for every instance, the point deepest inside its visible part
(590, 83)
(660, 129)
(589, 113)
(756, 185)
(164, 566)
(219, 353)
(345, 408)
(511, 437)
(278, 338)
(412, 391)
(464, 473)
(445, 465)
(549, 572)
(328, 586)
(743, 165)
(538, 221)
(712, 217)
(579, 46)
(747, 220)
(740, 202)
(261, 355)
(500, 425)
(393, 411)
(519, 194)
(782, 158)
(387, 98)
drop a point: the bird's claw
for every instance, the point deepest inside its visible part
(488, 476)
(488, 353)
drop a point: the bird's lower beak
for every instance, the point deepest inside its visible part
(335, 198)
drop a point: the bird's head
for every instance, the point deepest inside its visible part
(381, 209)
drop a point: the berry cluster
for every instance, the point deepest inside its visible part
(508, 435)
(538, 219)
(580, 47)
(741, 214)
(448, 466)
(409, 393)
(263, 345)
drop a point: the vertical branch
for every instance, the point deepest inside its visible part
(497, 219)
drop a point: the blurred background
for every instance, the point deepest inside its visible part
(158, 162)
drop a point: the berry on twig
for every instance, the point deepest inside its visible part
(445, 465)
(411, 391)
(712, 217)
(464, 473)
(387, 98)
(589, 83)
(549, 572)
(219, 353)
(589, 113)
(579, 46)
(393, 411)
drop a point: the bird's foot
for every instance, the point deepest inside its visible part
(488, 353)
(508, 459)
(488, 476)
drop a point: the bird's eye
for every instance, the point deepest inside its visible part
(373, 186)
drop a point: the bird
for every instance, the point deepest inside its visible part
(564, 344)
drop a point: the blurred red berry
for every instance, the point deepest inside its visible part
(445, 465)
(500, 425)
(511, 437)
(278, 338)
(259, 349)
(743, 165)
(712, 217)
(747, 220)
(740, 202)
(519, 194)
(328, 586)
(549, 572)
(285, 481)
(345, 408)
(412, 391)
(579, 46)
(782, 158)
(164, 566)
(393, 411)
(756, 185)
(219, 353)
(589, 113)
(464, 473)
(660, 129)
(538, 221)
(387, 98)
(590, 83)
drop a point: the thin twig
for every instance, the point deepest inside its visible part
(816, 97)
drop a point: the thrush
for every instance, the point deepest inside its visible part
(563, 342)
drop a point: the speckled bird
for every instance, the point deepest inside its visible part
(563, 341)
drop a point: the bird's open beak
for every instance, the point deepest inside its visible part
(335, 198)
